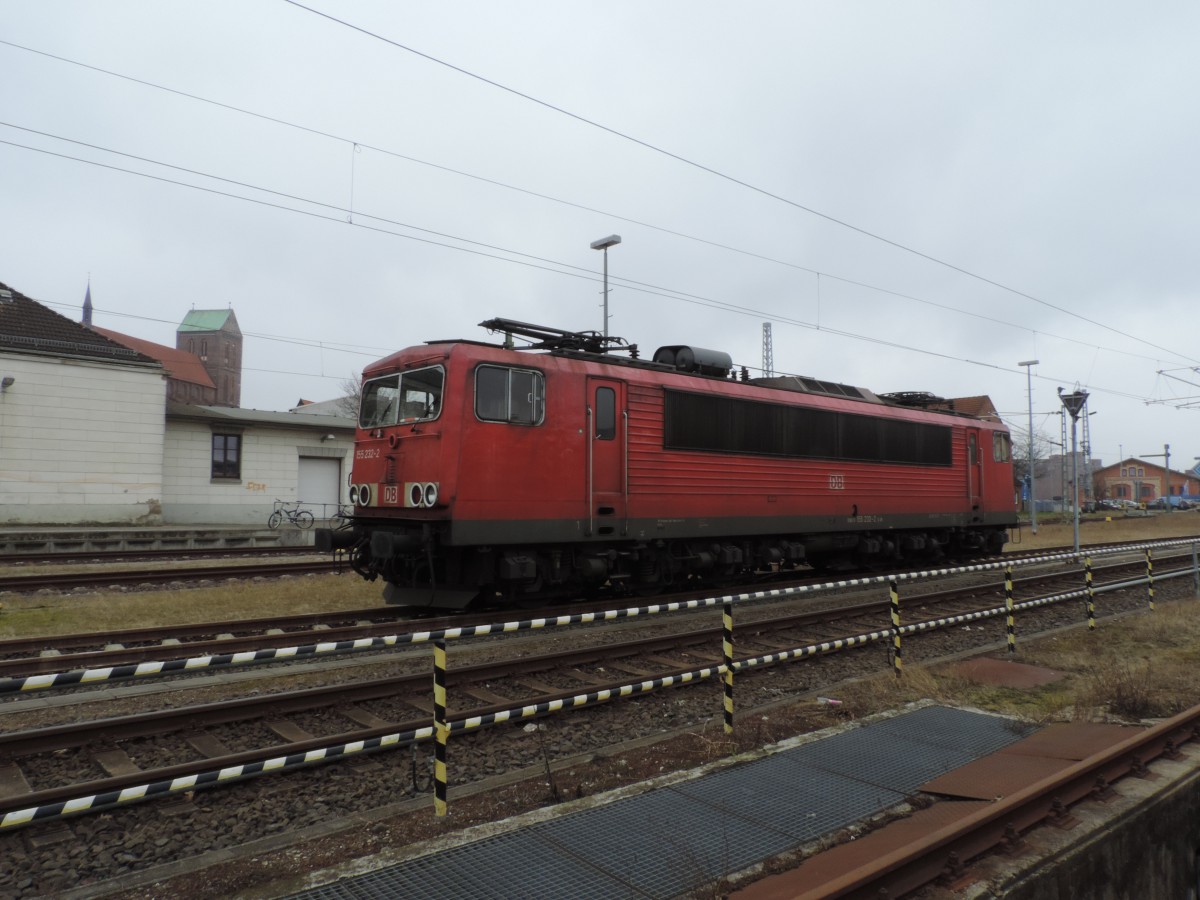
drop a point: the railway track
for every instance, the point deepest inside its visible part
(121, 844)
(67, 581)
(92, 579)
(350, 714)
(23, 657)
(173, 555)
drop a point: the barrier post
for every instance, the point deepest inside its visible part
(1195, 572)
(897, 664)
(1150, 577)
(727, 652)
(441, 727)
(1008, 606)
(1091, 594)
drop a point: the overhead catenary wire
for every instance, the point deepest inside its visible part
(729, 178)
(358, 145)
(582, 273)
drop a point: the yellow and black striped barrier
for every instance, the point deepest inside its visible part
(1150, 577)
(441, 729)
(894, 595)
(727, 657)
(1091, 593)
(1011, 622)
(398, 740)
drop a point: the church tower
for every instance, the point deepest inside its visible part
(214, 336)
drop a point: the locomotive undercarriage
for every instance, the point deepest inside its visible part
(421, 571)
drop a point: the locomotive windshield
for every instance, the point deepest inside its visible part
(414, 396)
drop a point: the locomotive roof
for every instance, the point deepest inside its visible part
(975, 409)
(592, 347)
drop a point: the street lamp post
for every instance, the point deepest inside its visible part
(1073, 403)
(1029, 364)
(1166, 454)
(603, 244)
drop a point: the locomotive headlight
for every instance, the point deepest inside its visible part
(364, 495)
(416, 494)
(354, 495)
(431, 494)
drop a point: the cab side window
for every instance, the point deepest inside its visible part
(1001, 447)
(516, 396)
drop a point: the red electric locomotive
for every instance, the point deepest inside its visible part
(487, 472)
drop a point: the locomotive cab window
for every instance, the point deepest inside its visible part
(404, 398)
(517, 396)
(1001, 447)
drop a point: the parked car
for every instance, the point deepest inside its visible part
(1171, 502)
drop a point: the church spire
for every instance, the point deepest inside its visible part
(87, 304)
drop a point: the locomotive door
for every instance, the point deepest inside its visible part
(607, 481)
(974, 468)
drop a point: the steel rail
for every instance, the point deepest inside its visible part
(66, 581)
(151, 652)
(17, 744)
(77, 734)
(107, 556)
(160, 633)
(321, 747)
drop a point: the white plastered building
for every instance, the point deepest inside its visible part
(88, 437)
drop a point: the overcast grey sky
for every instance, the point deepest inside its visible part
(916, 195)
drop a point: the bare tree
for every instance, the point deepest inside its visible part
(351, 395)
(1020, 451)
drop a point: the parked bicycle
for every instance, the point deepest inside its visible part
(301, 518)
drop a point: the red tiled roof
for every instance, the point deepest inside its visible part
(180, 365)
(980, 407)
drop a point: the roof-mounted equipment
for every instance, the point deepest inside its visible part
(695, 360)
(919, 399)
(555, 339)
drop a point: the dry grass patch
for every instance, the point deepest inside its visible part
(1141, 666)
(1115, 527)
(24, 615)
(1136, 667)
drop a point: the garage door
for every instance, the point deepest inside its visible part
(320, 485)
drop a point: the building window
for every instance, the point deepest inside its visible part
(1124, 472)
(226, 456)
(1141, 472)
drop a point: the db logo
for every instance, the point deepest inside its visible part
(391, 494)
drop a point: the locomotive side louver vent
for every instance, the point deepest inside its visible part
(806, 385)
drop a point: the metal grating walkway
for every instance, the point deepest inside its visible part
(674, 839)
